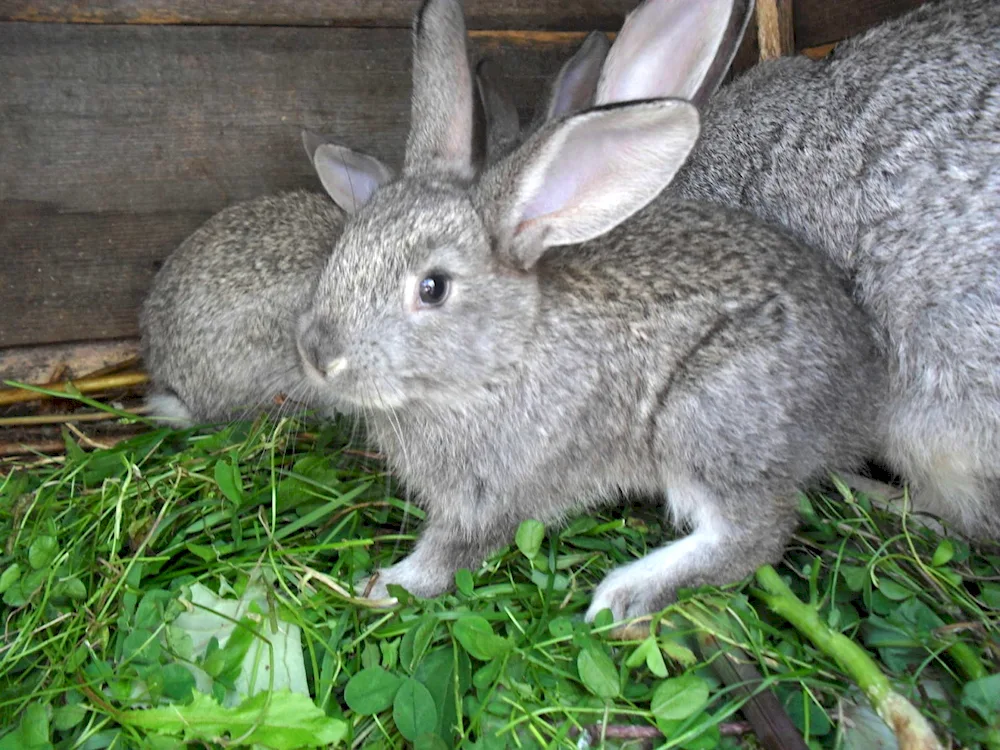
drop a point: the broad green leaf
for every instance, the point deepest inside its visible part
(854, 577)
(42, 552)
(654, 661)
(983, 697)
(413, 710)
(893, 590)
(141, 646)
(429, 741)
(67, 717)
(178, 682)
(990, 593)
(464, 582)
(477, 637)
(679, 697)
(648, 653)
(371, 691)
(598, 673)
(281, 721)
(72, 588)
(9, 577)
(529, 537)
(487, 674)
(416, 641)
(943, 554)
(227, 475)
(446, 674)
(561, 627)
(371, 656)
(35, 726)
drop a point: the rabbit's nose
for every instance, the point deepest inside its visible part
(320, 350)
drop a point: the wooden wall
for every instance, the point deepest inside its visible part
(126, 123)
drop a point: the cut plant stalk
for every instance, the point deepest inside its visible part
(83, 385)
(912, 730)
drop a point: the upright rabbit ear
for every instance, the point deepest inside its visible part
(577, 179)
(500, 126)
(574, 87)
(674, 48)
(441, 115)
(348, 177)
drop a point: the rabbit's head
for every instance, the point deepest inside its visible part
(432, 290)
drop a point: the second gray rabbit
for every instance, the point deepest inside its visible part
(886, 157)
(218, 326)
(554, 335)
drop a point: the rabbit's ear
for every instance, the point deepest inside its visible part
(674, 48)
(574, 87)
(349, 177)
(441, 115)
(577, 179)
(501, 126)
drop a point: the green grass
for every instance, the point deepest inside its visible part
(99, 550)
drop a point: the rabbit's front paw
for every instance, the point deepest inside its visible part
(413, 575)
(373, 589)
(628, 593)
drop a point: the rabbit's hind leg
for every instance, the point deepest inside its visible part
(721, 548)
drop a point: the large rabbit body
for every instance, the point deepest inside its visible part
(218, 327)
(887, 157)
(555, 335)
(690, 352)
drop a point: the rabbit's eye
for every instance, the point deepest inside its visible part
(434, 288)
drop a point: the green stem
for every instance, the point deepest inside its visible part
(912, 730)
(967, 661)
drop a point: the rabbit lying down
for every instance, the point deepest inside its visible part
(556, 330)
(218, 326)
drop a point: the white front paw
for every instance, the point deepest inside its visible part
(373, 589)
(621, 592)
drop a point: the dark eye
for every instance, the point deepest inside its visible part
(434, 288)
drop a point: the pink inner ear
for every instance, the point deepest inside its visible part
(665, 49)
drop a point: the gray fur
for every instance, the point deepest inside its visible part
(218, 325)
(886, 156)
(691, 351)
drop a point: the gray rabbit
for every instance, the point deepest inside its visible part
(886, 157)
(218, 326)
(557, 333)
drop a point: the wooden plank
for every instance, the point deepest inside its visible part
(823, 21)
(43, 364)
(775, 31)
(480, 14)
(117, 142)
(816, 21)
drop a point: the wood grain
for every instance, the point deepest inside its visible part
(824, 21)
(816, 21)
(775, 31)
(480, 14)
(117, 142)
(42, 364)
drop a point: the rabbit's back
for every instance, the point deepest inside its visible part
(823, 147)
(887, 157)
(218, 324)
